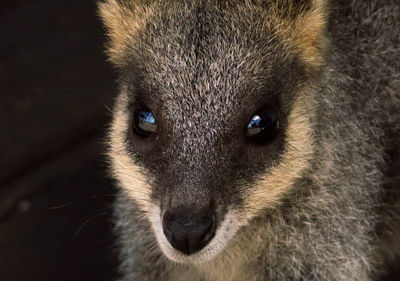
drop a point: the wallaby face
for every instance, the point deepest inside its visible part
(220, 102)
(218, 125)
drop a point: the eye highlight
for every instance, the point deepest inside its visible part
(144, 123)
(263, 125)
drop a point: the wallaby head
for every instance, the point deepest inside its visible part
(213, 122)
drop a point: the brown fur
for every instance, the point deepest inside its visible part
(326, 208)
(295, 160)
(123, 20)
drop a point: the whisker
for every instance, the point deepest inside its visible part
(87, 221)
(79, 200)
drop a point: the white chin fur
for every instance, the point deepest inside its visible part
(224, 233)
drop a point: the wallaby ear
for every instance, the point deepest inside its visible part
(301, 23)
(111, 13)
(122, 20)
(309, 32)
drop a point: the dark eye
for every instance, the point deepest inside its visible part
(263, 125)
(144, 123)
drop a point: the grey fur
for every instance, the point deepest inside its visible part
(202, 70)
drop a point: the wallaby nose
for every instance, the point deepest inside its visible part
(188, 232)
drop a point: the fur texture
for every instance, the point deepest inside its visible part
(321, 201)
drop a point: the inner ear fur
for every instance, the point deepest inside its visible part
(308, 33)
(122, 20)
(301, 25)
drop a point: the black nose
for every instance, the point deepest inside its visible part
(188, 232)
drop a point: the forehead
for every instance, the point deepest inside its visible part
(209, 58)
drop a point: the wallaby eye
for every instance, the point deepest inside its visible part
(263, 125)
(144, 123)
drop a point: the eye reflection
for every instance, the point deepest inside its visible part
(255, 125)
(146, 121)
(263, 125)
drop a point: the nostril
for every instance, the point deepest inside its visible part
(169, 216)
(168, 234)
(209, 235)
(188, 233)
(167, 222)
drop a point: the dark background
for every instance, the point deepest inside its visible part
(56, 91)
